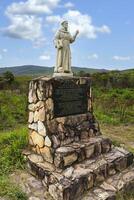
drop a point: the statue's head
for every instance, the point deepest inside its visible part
(65, 24)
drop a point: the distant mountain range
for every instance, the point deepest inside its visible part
(40, 70)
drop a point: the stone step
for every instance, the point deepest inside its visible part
(78, 151)
(74, 181)
(121, 182)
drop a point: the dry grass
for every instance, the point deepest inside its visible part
(121, 135)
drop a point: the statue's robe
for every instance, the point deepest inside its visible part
(62, 42)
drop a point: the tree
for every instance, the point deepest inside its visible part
(8, 76)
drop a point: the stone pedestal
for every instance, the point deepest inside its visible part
(62, 74)
(66, 148)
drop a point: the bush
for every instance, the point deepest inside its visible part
(12, 109)
(11, 144)
(114, 105)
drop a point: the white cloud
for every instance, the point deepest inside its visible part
(25, 27)
(68, 5)
(93, 56)
(5, 50)
(103, 29)
(53, 19)
(81, 22)
(32, 7)
(45, 57)
(122, 58)
(25, 22)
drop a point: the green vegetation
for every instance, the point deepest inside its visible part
(10, 190)
(114, 105)
(11, 158)
(126, 196)
(113, 102)
(113, 98)
(13, 103)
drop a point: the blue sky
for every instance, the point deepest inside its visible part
(106, 39)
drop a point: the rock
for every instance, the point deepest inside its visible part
(55, 141)
(106, 145)
(84, 135)
(34, 183)
(47, 166)
(98, 148)
(37, 139)
(56, 194)
(40, 94)
(50, 90)
(30, 141)
(68, 160)
(68, 172)
(61, 128)
(61, 120)
(67, 141)
(90, 181)
(89, 151)
(47, 154)
(26, 152)
(82, 81)
(107, 187)
(91, 132)
(52, 126)
(42, 115)
(36, 116)
(85, 125)
(41, 129)
(129, 176)
(102, 194)
(31, 107)
(33, 126)
(58, 160)
(39, 105)
(34, 198)
(32, 98)
(49, 104)
(48, 141)
(31, 117)
(35, 158)
(65, 150)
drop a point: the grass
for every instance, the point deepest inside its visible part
(10, 190)
(12, 109)
(126, 196)
(121, 135)
(11, 158)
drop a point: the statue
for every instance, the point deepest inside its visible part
(62, 42)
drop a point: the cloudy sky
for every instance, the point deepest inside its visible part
(106, 38)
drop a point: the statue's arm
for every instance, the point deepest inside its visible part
(74, 37)
(58, 41)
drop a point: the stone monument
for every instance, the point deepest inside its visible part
(66, 148)
(62, 41)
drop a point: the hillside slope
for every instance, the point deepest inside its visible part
(38, 70)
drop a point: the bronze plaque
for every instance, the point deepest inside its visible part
(70, 99)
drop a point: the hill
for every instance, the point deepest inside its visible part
(39, 70)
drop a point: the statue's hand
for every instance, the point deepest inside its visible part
(77, 32)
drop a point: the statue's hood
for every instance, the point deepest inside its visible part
(63, 30)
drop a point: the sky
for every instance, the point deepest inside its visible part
(106, 38)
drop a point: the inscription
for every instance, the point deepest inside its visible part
(70, 108)
(70, 94)
(70, 100)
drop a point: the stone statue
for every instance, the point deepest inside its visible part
(62, 42)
